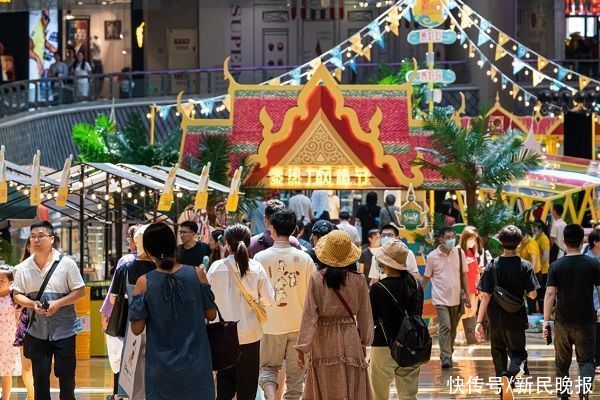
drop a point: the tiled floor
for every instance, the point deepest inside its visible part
(94, 378)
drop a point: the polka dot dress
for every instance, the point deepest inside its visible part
(10, 358)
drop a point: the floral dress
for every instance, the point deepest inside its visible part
(10, 357)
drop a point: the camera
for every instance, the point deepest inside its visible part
(45, 305)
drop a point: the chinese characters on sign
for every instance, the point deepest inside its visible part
(309, 177)
(458, 385)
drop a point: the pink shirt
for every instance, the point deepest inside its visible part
(444, 271)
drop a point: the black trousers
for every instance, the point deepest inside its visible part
(65, 362)
(241, 380)
(506, 343)
(584, 339)
(597, 357)
(541, 293)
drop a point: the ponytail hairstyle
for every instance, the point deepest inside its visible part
(160, 243)
(237, 237)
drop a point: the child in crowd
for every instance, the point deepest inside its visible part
(10, 358)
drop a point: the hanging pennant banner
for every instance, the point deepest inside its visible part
(356, 43)
(467, 10)
(63, 188)
(201, 200)
(521, 51)
(583, 81)
(504, 81)
(482, 61)
(500, 52)
(352, 65)
(234, 194)
(407, 15)
(463, 38)
(315, 63)
(541, 63)
(429, 13)
(167, 195)
(484, 24)
(375, 33)
(518, 65)
(35, 197)
(393, 18)
(515, 91)
(465, 22)
(227, 103)
(188, 108)
(296, 76)
(274, 82)
(483, 38)
(3, 183)
(493, 73)
(537, 78)
(336, 57)
(562, 73)
(503, 38)
(367, 54)
(337, 74)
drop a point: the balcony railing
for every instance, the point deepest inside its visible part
(22, 96)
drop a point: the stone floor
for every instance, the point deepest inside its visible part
(94, 378)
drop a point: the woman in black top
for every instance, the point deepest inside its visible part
(368, 214)
(390, 297)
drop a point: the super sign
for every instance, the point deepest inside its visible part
(424, 76)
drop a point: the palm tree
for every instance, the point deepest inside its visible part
(474, 157)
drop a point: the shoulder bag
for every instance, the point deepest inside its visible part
(255, 305)
(117, 322)
(224, 343)
(508, 302)
(412, 346)
(25, 319)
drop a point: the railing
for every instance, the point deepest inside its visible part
(21, 96)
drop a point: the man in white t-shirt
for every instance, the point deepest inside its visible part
(345, 226)
(334, 205)
(556, 233)
(301, 206)
(376, 274)
(289, 271)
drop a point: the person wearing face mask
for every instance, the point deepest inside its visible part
(446, 267)
(389, 232)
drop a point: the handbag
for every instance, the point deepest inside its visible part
(224, 343)
(117, 322)
(508, 302)
(25, 320)
(255, 305)
(412, 346)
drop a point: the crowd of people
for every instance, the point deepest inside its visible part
(316, 313)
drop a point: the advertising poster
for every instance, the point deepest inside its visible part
(78, 35)
(43, 39)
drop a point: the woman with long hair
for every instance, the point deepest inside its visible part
(469, 243)
(81, 69)
(241, 380)
(172, 303)
(217, 250)
(334, 341)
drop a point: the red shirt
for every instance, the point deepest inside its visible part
(473, 272)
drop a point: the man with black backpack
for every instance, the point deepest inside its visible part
(502, 286)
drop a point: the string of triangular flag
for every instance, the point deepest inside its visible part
(469, 18)
(351, 49)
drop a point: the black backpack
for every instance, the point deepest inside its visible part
(412, 346)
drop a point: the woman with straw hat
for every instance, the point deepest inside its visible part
(337, 324)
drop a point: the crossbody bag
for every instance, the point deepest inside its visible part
(255, 304)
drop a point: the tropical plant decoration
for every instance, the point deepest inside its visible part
(473, 158)
(92, 140)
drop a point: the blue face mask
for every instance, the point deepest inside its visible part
(450, 243)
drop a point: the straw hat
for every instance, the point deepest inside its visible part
(392, 254)
(337, 250)
(138, 239)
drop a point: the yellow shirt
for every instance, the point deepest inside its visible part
(530, 249)
(544, 244)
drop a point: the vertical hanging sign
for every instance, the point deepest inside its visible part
(234, 192)
(201, 200)
(35, 198)
(63, 189)
(166, 197)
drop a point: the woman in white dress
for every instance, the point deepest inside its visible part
(81, 69)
